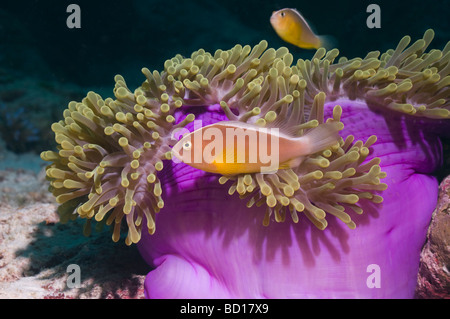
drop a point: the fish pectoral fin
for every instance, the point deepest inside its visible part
(225, 163)
(226, 157)
(230, 157)
(294, 162)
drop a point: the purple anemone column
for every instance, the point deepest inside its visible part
(209, 245)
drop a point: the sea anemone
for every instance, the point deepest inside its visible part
(113, 164)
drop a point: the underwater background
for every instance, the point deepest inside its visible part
(44, 65)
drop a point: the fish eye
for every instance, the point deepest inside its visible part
(282, 14)
(187, 146)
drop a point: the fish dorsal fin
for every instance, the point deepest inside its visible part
(239, 124)
(307, 24)
(284, 127)
(299, 15)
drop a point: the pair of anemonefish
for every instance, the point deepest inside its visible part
(250, 155)
(290, 26)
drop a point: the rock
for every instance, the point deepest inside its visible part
(433, 280)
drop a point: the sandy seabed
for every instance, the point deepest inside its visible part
(36, 250)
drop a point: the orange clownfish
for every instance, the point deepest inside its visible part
(293, 28)
(233, 147)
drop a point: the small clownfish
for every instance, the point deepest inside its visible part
(233, 147)
(290, 26)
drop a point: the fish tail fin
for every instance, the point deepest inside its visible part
(328, 42)
(320, 137)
